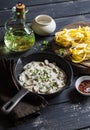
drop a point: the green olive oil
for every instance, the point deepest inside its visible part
(19, 36)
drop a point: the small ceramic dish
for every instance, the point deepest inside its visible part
(82, 85)
(43, 25)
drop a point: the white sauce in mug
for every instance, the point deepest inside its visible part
(42, 77)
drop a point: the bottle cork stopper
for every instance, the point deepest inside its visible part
(20, 10)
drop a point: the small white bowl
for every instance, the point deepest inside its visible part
(78, 81)
(43, 25)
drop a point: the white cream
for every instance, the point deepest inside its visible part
(42, 77)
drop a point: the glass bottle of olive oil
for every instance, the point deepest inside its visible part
(19, 36)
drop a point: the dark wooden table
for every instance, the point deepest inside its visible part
(69, 110)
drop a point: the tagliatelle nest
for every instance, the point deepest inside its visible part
(78, 41)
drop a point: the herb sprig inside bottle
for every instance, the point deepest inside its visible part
(19, 36)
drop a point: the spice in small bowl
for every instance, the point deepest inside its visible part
(83, 85)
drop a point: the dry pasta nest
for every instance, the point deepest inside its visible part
(73, 43)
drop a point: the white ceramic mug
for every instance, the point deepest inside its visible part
(43, 25)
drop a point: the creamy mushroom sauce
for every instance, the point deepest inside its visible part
(42, 77)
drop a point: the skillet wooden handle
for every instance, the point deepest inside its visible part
(8, 107)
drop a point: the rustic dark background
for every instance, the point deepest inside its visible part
(69, 110)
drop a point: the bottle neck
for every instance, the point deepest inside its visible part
(18, 18)
(20, 21)
(19, 13)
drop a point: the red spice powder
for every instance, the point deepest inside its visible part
(84, 86)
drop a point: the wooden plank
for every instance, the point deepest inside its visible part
(10, 3)
(61, 22)
(66, 116)
(60, 10)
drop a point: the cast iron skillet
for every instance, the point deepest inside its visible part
(18, 67)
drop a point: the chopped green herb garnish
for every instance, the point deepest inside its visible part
(61, 51)
(45, 45)
(45, 42)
